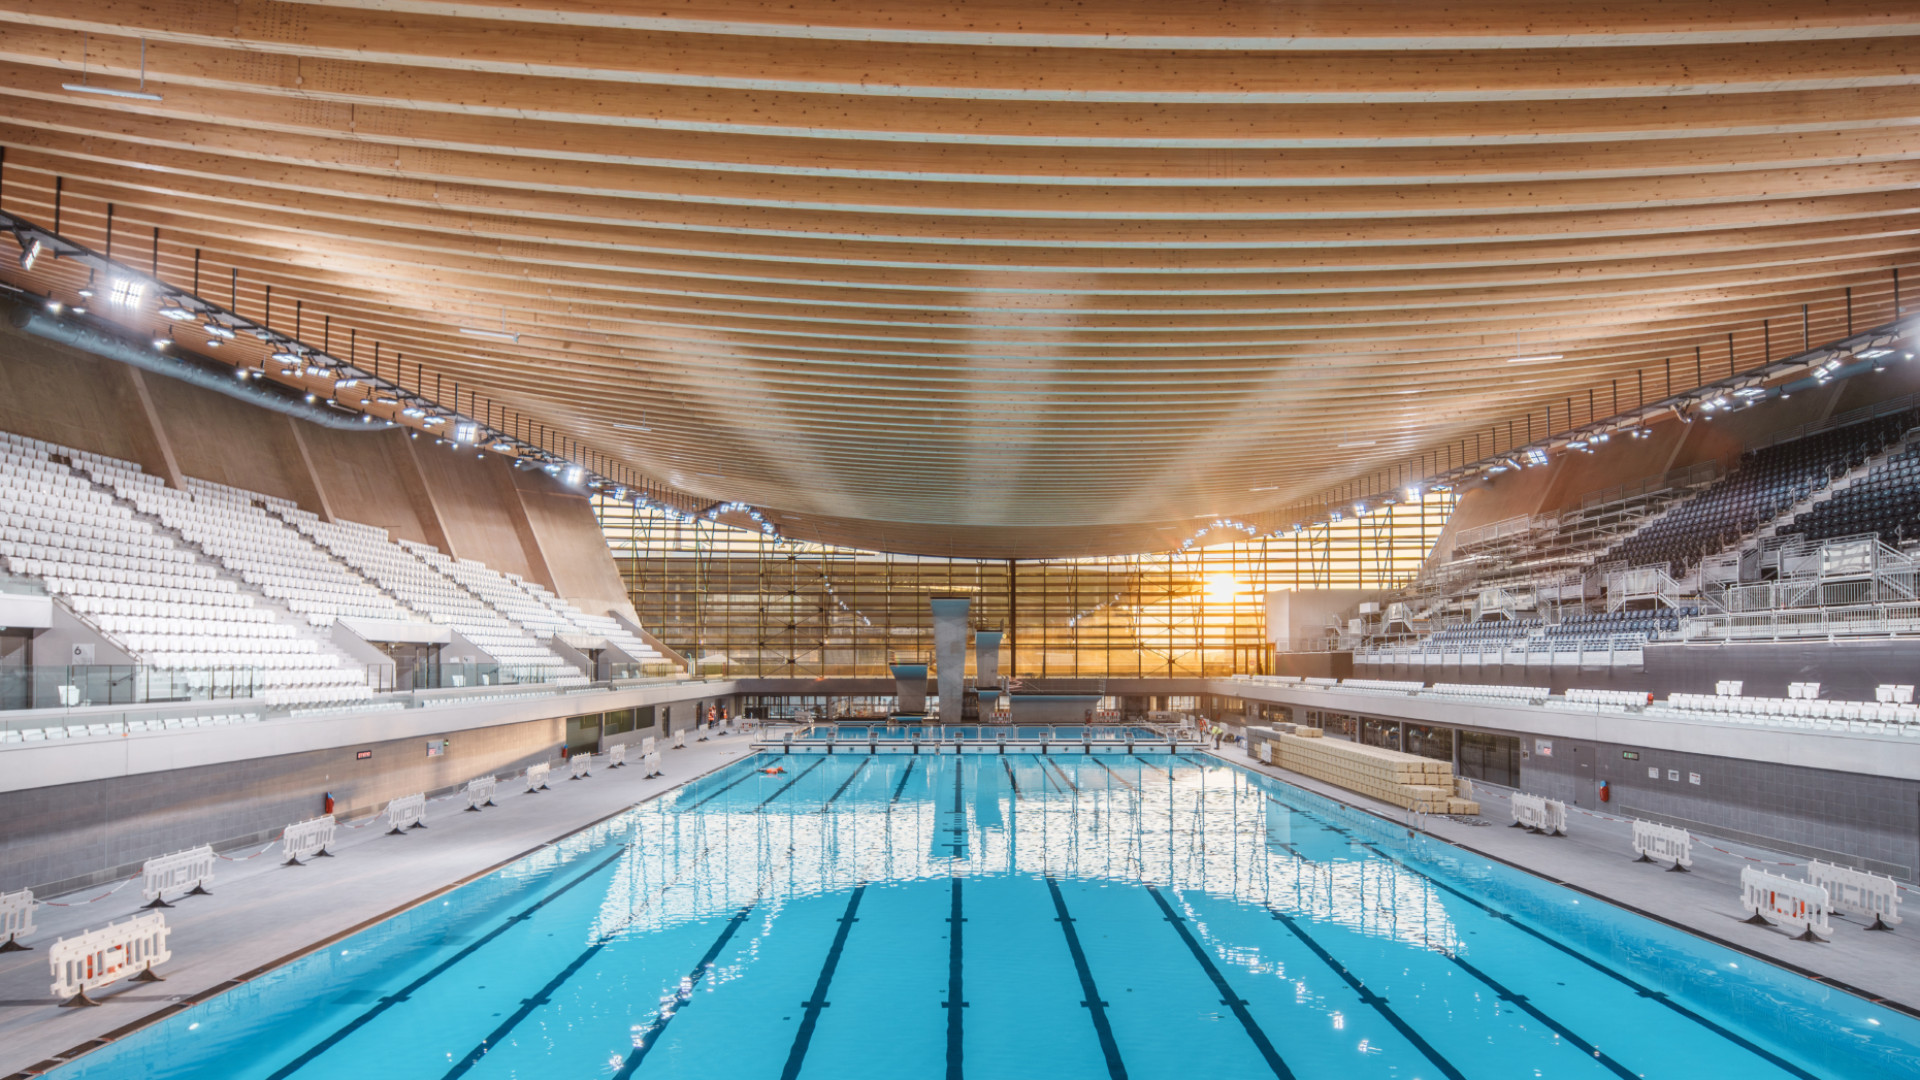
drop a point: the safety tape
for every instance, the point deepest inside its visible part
(102, 896)
(271, 844)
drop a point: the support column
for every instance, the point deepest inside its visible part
(950, 652)
(986, 670)
(910, 689)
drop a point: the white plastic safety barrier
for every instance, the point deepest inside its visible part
(1541, 815)
(617, 756)
(102, 957)
(480, 792)
(1858, 892)
(16, 918)
(653, 764)
(1652, 840)
(537, 777)
(407, 812)
(646, 746)
(187, 872)
(308, 839)
(679, 740)
(1800, 905)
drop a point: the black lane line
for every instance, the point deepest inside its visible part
(684, 999)
(864, 762)
(817, 762)
(1011, 779)
(1116, 1069)
(439, 969)
(1636, 986)
(1227, 997)
(956, 1043)
(1555, 1026)
(749, 775)
(958, 829)
(1115, 775)
(1063, 776)
(804, 1037)
(1378, 1003)
(902, 785)
(527, 1005)
(1144, 763)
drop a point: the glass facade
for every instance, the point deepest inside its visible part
(742, 603)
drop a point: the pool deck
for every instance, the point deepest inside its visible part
(1596, 857)
(261, 913)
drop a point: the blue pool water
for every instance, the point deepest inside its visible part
(999, 916)
(951, 732)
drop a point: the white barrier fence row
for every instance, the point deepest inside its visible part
(680, 740)
(537, 777)
(581, 765)
(1800, 905)
(407, 812)
(187, 872)
(653, 765)
(308, 839)
(1858, 892)
(617, 756)
(1652, 840)
(16, 918)
(1541, 815)
(480, 792)
(102, 957)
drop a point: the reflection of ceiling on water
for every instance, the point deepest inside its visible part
(1217, 830)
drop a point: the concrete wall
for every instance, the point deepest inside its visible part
(1852, 799)
(522, 522)
(78, 812)
(1867, 821)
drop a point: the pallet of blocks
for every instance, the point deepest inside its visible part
(1404, 780)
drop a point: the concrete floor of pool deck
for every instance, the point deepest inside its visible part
(261, 911)
(1596, 856)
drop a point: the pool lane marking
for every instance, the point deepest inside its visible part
(1129, 784)
(1555, 1026)
(1637, 987)
(958, 829)
(1063, 773)
(902, 785)
(1116, 1069)
(1227, 997)
(1368, 997)
(750, 774)
(527, 1005)
(804, 1037)
(864, 762)
(956, 1043)
(683, 997)
(1011, 779)
(817, 762)
(439, 969)
(1150, 765)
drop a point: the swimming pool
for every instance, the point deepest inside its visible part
(1065, 733)
(1063, 917)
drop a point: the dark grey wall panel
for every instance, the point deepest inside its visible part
(61, 838)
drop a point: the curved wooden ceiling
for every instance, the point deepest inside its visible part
(998, 278)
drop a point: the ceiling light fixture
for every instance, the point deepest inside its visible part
(1540, 359)
(84, 87)
(29, 250)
